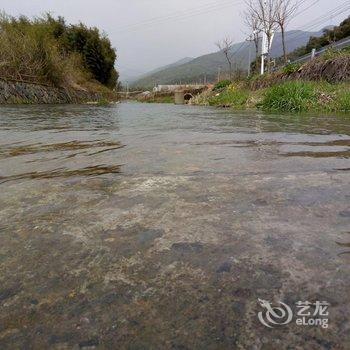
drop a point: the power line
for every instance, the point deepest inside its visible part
(305, 9)
(150, 20)
(179, 15)
(244, 43)
(321, 19)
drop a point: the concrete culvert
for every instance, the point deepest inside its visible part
(188, 96)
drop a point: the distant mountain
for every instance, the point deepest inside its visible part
(206, 68)
(171, 65)
(130, 75)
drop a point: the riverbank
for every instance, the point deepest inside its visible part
(289, 96)
(45, 60)
(320, 85)
(16, 92)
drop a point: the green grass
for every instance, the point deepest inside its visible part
(103, 102)
(292, 96)
(291, 68)
(334, 53)
(221, 85)
(307, 96)
(344, 101)
(230, 97)
(341, 100)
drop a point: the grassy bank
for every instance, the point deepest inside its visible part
(322, 84)
(290, 96)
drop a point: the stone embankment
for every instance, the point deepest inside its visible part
(15, 92)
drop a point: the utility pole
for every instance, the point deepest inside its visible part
(268, 35)
(264, 49)
(219, 73)
(250, 39)
(249, 59)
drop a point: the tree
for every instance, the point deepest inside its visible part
(98, 54)
(225, 46)
(265, 13)
(284, 12)
(254, 25)
(339, 32)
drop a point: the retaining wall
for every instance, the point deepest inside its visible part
(14, 92)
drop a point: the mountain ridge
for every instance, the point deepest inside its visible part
(206, 67)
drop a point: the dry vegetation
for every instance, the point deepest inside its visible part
(43, 51)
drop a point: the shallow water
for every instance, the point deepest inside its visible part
(147, 226)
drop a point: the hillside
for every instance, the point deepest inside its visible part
(130, 75)
(168, 66)
(207, 66)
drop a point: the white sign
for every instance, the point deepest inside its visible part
(264, 44)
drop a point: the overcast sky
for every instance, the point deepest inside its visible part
(151, 33)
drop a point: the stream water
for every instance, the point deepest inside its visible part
(154, 226)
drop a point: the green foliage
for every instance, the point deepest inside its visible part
(221, 85)
(46, 50)
(329, 36)
(294, 96)
(342, 101)
(103, 102)
(231, 96)
(98, 55)
(291, 68)
(334, 53)
(291, 96)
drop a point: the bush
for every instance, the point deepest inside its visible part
(221, 85)
(46, 50)
(98, 55)
(291, 68)
(295, 96)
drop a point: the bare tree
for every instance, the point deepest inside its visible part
(253, 23)
(254, 26)
(265, 12)
(284, 12)
(224, 46)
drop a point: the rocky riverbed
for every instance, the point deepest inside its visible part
(160, 227)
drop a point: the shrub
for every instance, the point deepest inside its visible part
(221, 85)
(296, 96)
(46, 50)
(291, 68)
(98, 55)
